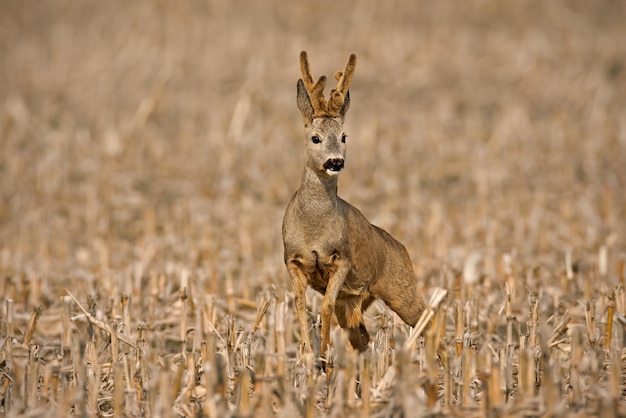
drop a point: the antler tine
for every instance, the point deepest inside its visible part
(307, 76)
(338, 94)
(305, 69)
(316, 90)
(344, 78)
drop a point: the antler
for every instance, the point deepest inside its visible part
(337, 95)
(316, 90)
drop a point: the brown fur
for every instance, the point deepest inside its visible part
(329, 244)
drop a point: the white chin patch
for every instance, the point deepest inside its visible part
(332, 172)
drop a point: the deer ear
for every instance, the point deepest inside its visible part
(345, 106)
(304, 102)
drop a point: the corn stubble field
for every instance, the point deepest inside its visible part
(148, 150)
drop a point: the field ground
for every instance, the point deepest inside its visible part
(148, 150)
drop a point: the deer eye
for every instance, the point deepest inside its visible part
(343, 138)
(316, 139)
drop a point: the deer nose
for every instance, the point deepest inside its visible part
(334, 164)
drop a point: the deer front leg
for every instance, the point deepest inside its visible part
(337, 279)
(299, 281)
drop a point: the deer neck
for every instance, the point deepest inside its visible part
(318, 193)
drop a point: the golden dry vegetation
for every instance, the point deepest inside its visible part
(148, 150)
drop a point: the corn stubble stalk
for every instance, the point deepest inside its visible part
(526, 369)
(337, 399)
(118, 393)
(590, 320)
(382, 349)
(139, 377)
(550, 384)
(93, 320)
(494, 392)
(261, 311)
(32, 379)
(533, 318)
(213, 380)
(609, 321)
(459, 327)
(32, 323)
(510, 319)
(281, 334)
(620, 298)
(428, 314)
(244, 392)
(434, 352)
(364, 367)
(190, 384)
(309, 411)
(262, 386)
(183, 309)
(576, 378)
(8, 347)
(615, 380)
(467, 377)
(164, 398)
(66, 337)
(92, 389)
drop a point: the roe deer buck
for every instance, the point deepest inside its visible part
(329, 245)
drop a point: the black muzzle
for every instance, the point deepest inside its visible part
(334, 164)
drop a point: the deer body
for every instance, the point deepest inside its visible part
(329, 245)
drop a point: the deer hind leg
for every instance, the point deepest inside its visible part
(403, 298)
(349, 312)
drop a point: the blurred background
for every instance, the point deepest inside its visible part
(137, 136)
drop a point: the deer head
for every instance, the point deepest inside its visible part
(325, 147)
